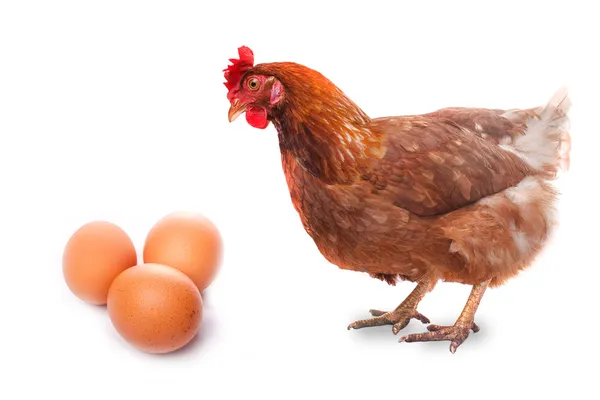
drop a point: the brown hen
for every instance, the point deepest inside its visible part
(457, 195)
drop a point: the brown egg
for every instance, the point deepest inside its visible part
(155, 308)
(187, 241)
(93, 257)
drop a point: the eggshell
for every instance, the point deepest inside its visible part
(188, 242)
(93, 257)
(155, 308)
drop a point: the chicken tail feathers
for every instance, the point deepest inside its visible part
(546, 141)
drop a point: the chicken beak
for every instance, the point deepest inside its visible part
(237, 107)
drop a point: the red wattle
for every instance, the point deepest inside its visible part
(257, 117)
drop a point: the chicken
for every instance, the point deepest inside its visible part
(458, 195)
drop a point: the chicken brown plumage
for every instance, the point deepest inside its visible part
(458, 195)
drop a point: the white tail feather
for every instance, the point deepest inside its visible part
(546, 142)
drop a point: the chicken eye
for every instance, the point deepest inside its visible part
(253, 83)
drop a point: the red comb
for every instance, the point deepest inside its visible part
(233, 73)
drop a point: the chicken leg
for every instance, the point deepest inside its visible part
(402, 315)
(458, 332)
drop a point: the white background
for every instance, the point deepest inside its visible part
(116, 110)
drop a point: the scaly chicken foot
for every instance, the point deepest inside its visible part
(398, 318)
(458, 332)
(401, 316)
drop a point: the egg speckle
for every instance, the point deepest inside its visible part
(156, 308)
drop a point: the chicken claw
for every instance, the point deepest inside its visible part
(402, 315)
(399, 318)
(457, 333)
